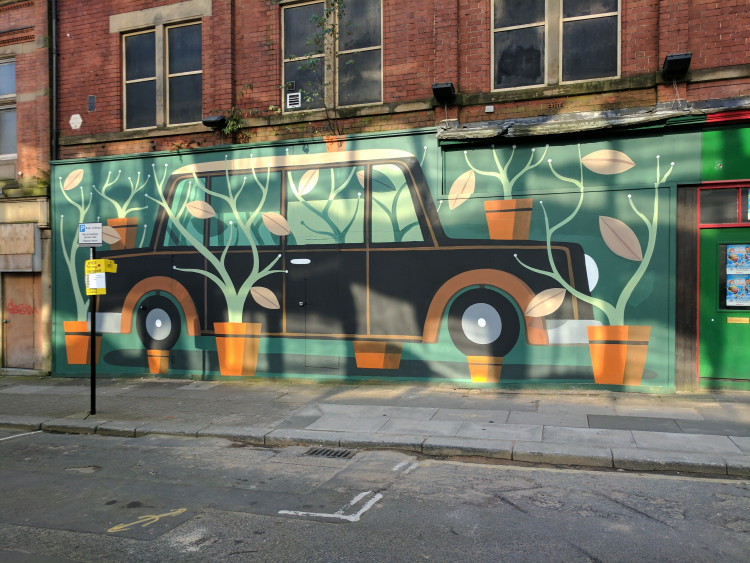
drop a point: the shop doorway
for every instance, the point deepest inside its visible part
(724, 288)
(21, 319)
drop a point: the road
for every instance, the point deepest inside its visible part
(159, 498)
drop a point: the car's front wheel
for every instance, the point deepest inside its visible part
(483, 322)
(158, 323)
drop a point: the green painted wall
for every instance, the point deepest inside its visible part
(382, 284)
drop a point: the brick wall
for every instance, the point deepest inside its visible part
(23, 37)
(424, 42)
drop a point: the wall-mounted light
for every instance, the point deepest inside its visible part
(676, 66)
(444, 93)
(215, 122)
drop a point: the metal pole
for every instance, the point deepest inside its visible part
(92, 343)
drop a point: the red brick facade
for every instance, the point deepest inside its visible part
(24, 39)
(423, 43)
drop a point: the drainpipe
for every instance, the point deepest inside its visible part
(53, 85)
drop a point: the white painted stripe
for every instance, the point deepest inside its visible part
(412, 467)
(19, 435)
(400, 465)
(339, 514)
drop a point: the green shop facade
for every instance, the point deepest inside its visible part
(617, 260)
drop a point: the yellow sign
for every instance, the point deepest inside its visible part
(96, 283)
(738, 320)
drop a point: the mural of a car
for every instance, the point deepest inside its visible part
(361, 256)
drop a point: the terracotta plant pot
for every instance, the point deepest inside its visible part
(335, 143)
(237, 345)
(485, 369)
(377, 355)
(127, 228)
(77, 339)
(618, 353)
(158, 361)
(508, 219)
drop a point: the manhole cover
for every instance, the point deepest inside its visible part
(337, 453)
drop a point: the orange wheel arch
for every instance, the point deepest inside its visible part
(166, 285)
(510, 284)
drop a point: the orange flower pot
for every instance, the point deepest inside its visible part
(127, 228)
(77, 339)
(485, 369)
(508, 219)
(237, 345)
(335, 143)
(618, 353)
(158, 361)
(377, 355)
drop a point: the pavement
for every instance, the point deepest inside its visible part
(700, 433)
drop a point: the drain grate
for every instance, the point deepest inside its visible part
(336, 453)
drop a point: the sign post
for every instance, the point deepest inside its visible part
(90, 235)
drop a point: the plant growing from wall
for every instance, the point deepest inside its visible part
(243, 221)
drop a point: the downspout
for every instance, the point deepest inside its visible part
(53, 79)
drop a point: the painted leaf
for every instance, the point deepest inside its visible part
(308, 181)
(461, 189)
(200, 209)
(73, 179)
(265, 297)
(607, 162)
(110, 235)
(546, 302)
(620, 238)
(276, 223)
(361, 178)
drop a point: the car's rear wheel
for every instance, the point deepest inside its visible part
(158, 323)
(483, 322)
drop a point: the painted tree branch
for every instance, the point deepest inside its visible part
(501, 175)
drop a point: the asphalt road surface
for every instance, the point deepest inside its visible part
(158, 498)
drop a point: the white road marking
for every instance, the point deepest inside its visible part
(340, 513)
(400, 465)
(19, 435)
(412, 467)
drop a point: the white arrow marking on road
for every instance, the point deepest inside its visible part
(340, 513)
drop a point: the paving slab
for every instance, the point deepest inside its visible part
(22, 422)
(633, 423)
(657, 410)
(423, 413)
(725, 427)
(170, 428)
(247, 434)
(562, 454)
(420, 427)
(549, 418)
(124, 428)
(341, 422)
(470, 415)
(742, 442)
(407, 442)
(738, 466)
(73, 425)
(656, 460)
(525, 432)
(452, 446)
(698, 443)
(590, 436)
(294, 437)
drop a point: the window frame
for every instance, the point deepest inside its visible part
(163, 74)
(330, 57)
(8, 102)
(554, 23)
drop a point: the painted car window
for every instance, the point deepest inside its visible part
(326, 206)
(393, 216)
(222, 227)
(186, 203)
